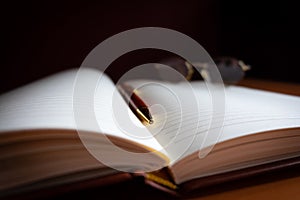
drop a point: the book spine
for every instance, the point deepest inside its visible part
(162, 181)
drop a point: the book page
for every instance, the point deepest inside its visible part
(182, 114)
(50, 104)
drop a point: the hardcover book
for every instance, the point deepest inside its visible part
(47, 140)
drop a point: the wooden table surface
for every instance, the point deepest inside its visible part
(288, 188)
(286, 88)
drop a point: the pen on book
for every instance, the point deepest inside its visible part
(136, 104)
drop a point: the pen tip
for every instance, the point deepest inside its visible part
(145, 116)
(151, 121)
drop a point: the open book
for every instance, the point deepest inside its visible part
(45, 133)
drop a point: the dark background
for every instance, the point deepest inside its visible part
(43, 37)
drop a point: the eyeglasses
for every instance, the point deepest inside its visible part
(231, 69)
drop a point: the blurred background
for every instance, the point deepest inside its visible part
(43, 37)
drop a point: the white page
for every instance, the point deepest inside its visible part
(48, 104)
(182, 120)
